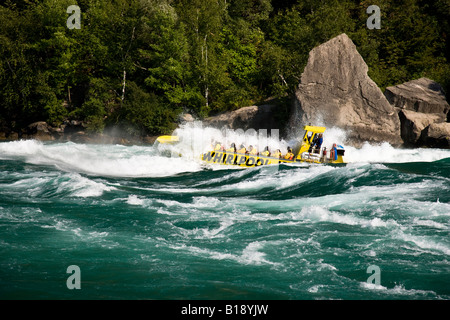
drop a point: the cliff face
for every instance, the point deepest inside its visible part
(336, 91)
(423, 111)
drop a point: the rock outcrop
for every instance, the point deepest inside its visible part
(422, 95)
(335, 91)
(251, 117)
(423, 111)
(414, 123)
(38, 130)
(436, 135)
(75, 131)
(185, 118)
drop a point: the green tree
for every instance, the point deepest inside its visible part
(144, 112)
(138, 63)
(408, 46)
(163, 58)
(203, 21)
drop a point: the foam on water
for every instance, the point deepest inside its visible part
(135, 200)
(385, 153)
(150, 161)
(250, 255)
(423, 242)
(295, 231)
(54, 183)
(83, 187)
(398, 290)
(103, 160)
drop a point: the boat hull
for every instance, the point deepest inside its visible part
(248, 161)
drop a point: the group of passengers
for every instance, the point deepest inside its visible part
(316, 144)
(254, 151)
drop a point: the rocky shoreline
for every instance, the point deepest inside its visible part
(335, 91)
(74, 131)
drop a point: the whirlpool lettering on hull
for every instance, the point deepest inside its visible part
(236, 159)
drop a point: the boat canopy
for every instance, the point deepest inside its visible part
(308, 138)
(315, 129)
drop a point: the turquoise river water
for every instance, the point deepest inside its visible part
(141, 225)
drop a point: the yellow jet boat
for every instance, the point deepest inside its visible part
(305, 151)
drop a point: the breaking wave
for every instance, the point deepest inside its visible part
(161, 227)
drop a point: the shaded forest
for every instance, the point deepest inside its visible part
(138, 64)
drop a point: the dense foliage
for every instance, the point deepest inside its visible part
(140, 63)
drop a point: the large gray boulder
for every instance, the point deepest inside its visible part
(414, 123)
(251, 117)
(335, 91)
(437, 135)
(422, 95)
(38, 130)
(423, 111)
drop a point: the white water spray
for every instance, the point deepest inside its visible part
(149, 161)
